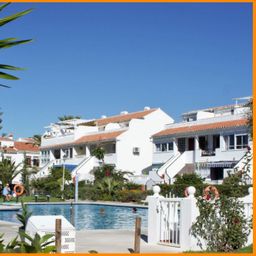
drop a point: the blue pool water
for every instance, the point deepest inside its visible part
(88, 216)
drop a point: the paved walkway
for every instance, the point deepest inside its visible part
(102, 241)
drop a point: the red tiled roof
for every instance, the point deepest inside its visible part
(58, 145)
(88, 138)
(99, 137)
(20, 146)
(201, 127)
(123, 117)
(24, 146)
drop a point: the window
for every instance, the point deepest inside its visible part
(28, 161)
(164, 147)
(170, 146)
(239, 141)
(158, 147)
(68, 153)
(231, 142)
(35, 162)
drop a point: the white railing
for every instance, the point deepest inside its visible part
(170, 219)
(44, 171)
(84, 168)
(162, 170)
(169, 210)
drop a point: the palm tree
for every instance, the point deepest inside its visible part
(10, 42)
(26, 172)
(249, 116)
(68, 117)
(108, 185)
(37, 139)
(8, 171)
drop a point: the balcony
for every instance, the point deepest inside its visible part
(208, 153)
(110, 158)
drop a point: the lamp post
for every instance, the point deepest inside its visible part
(63, 179)
(76, 187)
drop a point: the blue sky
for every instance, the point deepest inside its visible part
(94, 59)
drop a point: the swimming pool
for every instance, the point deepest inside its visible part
(88, 216)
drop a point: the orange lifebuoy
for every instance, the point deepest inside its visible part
(212, 189)
(18, 189)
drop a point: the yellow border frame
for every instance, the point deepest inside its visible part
(253, 84)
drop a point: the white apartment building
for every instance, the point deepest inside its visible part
(19, 151)
(126, 139)
(210, 142)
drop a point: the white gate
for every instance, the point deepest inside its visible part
(169, 213)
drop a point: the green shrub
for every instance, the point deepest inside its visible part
(221, 224)
(223, 189)
(131, 185)
(52, 184)
(88, 192)
(131, 195)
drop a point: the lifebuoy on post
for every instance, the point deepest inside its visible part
(210, 189)
(18, 189)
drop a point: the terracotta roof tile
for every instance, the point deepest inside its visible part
(88, 138)
(63, 145)
(24, 146)
(201, 127)
(123, 117)
(99, 137)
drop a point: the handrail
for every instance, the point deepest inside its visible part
(44, 167)
(169, 162)
(83, 162)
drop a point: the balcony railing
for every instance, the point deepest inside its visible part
(208, 153)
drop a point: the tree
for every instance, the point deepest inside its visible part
(221, 224)
(10, 42)
(26, 172)
(68, 117)
(8, 171)
(249, 116)
(99, 153)
(108, 185)
(37, 139)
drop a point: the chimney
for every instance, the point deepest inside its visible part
(146, 108)
(103, 116)
(10, 136)
(124, 113)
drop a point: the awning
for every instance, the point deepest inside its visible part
(223, 164)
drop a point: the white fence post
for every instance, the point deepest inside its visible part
(248, 211)
(154, 216)
(189, 212)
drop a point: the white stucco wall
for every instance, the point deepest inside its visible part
(139, 135)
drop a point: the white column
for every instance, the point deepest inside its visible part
(196, 143)
(189, 212)
(222, 143)
(154, 216)
(87, 151)
(175, 146)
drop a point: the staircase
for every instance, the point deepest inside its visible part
(172, 167)
(44, 171)
(84, 168)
